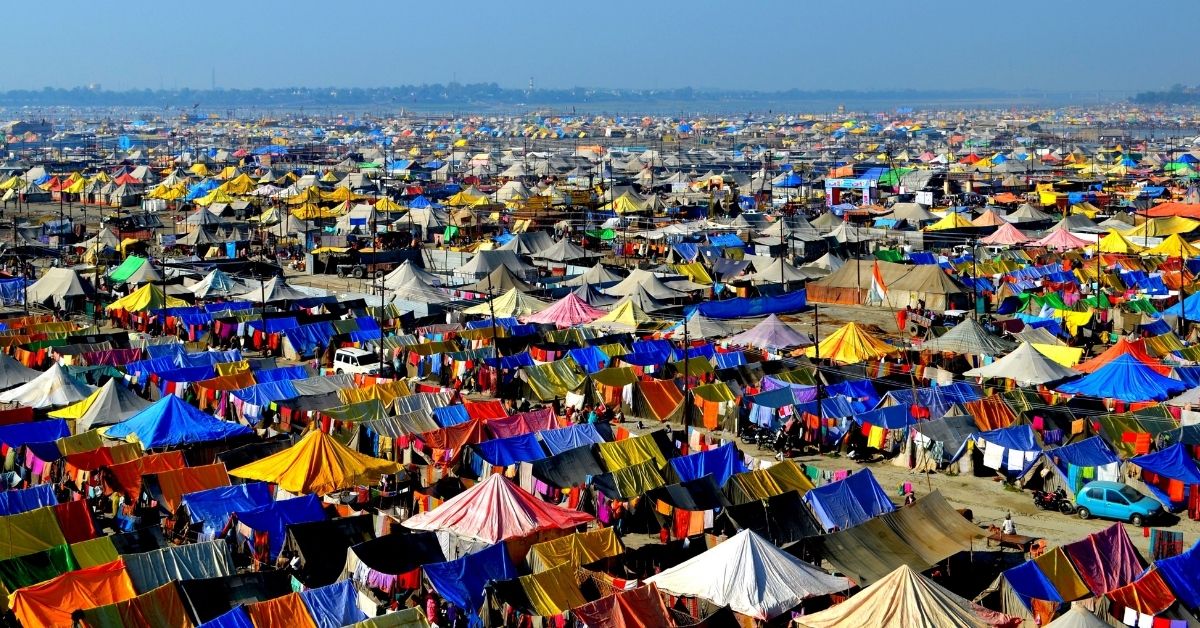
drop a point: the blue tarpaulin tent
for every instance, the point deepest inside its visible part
(24, 500)
(891, 417)
(502, 452)
(1179, 572)
(213, 506)
(236, 618)
(275, 517)
(849, 502)
(1125, 378)
(721, 463)
(1017, 449)
(1029, 583)
(20, 434)
(334, 605)
(1171, 463)
(786, 303)
(172, 421)
(461, 582)
(564, 438)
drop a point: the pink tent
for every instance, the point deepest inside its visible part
(1007, 234)
(1062, 240)
(495, 510)
(566, 312)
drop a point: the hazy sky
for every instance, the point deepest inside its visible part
(751, 44)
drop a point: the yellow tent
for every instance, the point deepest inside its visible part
(340, 195)
(626, 314)
(218, 195)
(464, 199)
(1086, 209)
(388, 205)
(317, 464)
(241, 184)
(329, 177)
(625, 204)
(850, 345)
(311, 211)
(199, 170)
(511, 303)
(1114, 242)
(308, 195)
(1174, 246)
(148, 297)
(1162, 227)
(952, 220)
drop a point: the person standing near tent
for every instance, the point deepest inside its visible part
(1008, 527)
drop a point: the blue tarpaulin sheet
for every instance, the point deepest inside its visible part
(511, 361)
(1089, 452)
(24, 500)
(1179, 572)
(891, 417)
(502, 452)
(236, 618)
(564, 438)
(860, 389)
(849, 502)
(450, 415)
(787, 303)
(334, 605)
(275, 517)
(720, 463)
(1125, 378)
(172, 421)
(1172, 462)
(1029, 583)
(729, 359)
(588, 359)
(461, 582)
(19, 434)
(213, 506)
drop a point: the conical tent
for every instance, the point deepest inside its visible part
(52, 388)
(1026, 366)
(495, 510)
(1061, 240)
(13, 373)
(625, 314)
(968, 337)
(771, 333)
(751, 576)
(1114, 242)
(1124, 346)
(700, 326)
(216, 284)
(593, 297)
(598, 274)
(989, 218)
(499, 281)
(1006, 235)
(779, 271)
(566, 312)
(317, 464)
(148, 297)
(952, 220)
(511, 303)
(647, 281)
(1127, 379)
(564, 251)
(1173, 246)
(111, 403)
(1078, 617)
(906, 598)
(850, 345)
(275, 289)
(170, 421)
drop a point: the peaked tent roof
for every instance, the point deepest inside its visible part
(1007, 234)
(1124, 346)
(495, 510)
(850, 345)
(564, 251)
(317, 464)
(771, 333)
(1115, 242)
(646, 280)
(1078, 617)
(700, 326)
(750, 575)
(906, 598)
(217, 283)
(1026, 366)
(111, 403)
(1125, 378)
(968, 337)
(1174, 246)
(566, 312)
(1061, 239)
(989, 218)
(779, 271)
(13, 373)
(511, 303)
(54, 387)
(275, 289)
(171, 421)
(597, 274)
(149, 297)
(499, 281)
(625, 314)
(57, 285)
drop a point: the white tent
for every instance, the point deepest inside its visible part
(110, 404)
(217, 284)
(751, 576)
(1025, 365)
(13, 373)
(52, 388)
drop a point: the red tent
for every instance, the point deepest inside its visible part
(1135, 348)
(495, 510)
(1187, 210)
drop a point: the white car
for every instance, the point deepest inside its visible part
(352, 360)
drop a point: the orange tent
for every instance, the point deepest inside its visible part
(288, 610)
(1006, 198)
(52, 602)
(176, 483)
(1136, 348)
(1187, 210)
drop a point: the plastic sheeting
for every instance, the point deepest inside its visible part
(24, 500)
(160, 608)
(333, 606)
(1105, 560)
(171, 421)
(577, 549)
(624, 453)
(317, 464)
(563, 439)
(502, 452)
(29, 532)
(721, 462)
(461, 582)
(288, 610)
(275, 517)
(214, 505)
(636, 608)
(1179, 572)
(195, 561)
(51, 603)
(849, 502)
(787, 303)
(34, 568)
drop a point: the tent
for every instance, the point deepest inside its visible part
(1061, 240)
(275, 289)
(1028, 213)
(170, 421)
(1026, 366)
(568, 311)
(700, 327)
(61, 288)
(906, 598)
(1006, 235)
(317, 464)
(54, 387)
(1124, 346)
(1170, 474)
(1174, 246)
(1115, 242)
(13, 373)
(625, 315)
(1071, 466)
(770, 333)
(111, 403)
(1008, 450)
(750, 575)
(1127, 379)
(274, 518)
(644, 280)
(498, 281)
(50, 603)
(216, 284)
(1078, 616)
(149, 297)
(850, 345)
(510, 304)
(596, 275)
(495, 510)
(968, 337)
(849, 502)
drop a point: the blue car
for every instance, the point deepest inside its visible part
(1113, 500)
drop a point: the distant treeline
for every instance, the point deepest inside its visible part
(1176, 95)
(457, 95)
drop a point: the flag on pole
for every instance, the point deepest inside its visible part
(878, 292)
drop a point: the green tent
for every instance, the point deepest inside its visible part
(126, 269)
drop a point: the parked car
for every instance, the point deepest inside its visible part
(1113, 500)
(351, 360)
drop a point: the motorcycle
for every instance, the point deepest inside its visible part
(749, 434)
(1058, 500)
